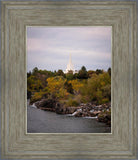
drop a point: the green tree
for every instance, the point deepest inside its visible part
(98, 88)
(75, 76)
(68, 87)
(83, 73)
(69, 76)
(35, 70)
(29, 74)
(99, 71)
(109, 71)
(90, 73)
(34, 84)
(60, 73)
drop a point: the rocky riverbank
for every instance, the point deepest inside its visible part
(101, 112)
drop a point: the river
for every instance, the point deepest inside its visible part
(39, 121)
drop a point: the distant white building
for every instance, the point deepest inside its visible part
(70, 67)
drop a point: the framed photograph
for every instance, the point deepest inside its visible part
(75, 86)
(69, 80)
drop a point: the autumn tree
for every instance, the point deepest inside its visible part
(68, 87)
(76, 85)
(98, 88)
(56, 86)
(90, 73)
(34, 84)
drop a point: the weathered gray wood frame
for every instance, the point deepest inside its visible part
(16, 143)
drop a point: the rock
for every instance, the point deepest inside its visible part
(108, 116)
(78, 114)
(109, 123)
(72, 109)
(105, 117)
(29, 93)
(46, 104)
(92, 114)
(92, 110)
(61, 109)
(96, 112)
(84, 110)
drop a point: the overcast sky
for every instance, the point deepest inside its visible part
(49, 47)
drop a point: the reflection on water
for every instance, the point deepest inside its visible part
(39, 121)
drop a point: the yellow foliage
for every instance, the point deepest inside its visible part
(102, 83)
(37, 96)
(97, 88)
(76, 85)
(56, 86)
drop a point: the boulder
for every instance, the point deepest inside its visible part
(78, 114)
(59, 108)
(46, 103)
(71, 110)
(96, 113)
(105, 117)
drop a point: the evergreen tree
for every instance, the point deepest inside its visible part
(83, 73)
(60, 73)
(109, 71)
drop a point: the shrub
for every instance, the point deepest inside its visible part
(37, 96)
(85, 99)
(105, 100)
(72, 102)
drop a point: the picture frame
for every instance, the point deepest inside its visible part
(16, 142)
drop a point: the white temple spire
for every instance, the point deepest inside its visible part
(70, 66)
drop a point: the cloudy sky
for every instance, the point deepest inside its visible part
(49, 47)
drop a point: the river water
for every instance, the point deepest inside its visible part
(39, 121)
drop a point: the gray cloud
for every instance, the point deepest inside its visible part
(49, 47)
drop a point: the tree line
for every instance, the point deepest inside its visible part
(70, 89)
